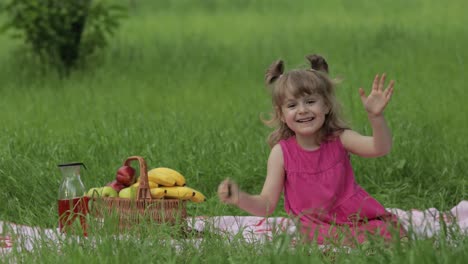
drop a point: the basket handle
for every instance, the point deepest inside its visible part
(143, 192)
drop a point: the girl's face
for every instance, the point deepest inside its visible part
(305, 115)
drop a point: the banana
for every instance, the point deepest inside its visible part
(151, 184)
(160, 178)
(191, 194)
(157, 192)
(198, 197)
(178, 192)
(149, 180)
(166, 176)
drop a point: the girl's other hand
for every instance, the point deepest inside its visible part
(378, 98)
(228, 192)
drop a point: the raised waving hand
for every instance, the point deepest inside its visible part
(377, 100)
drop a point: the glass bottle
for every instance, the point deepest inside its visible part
(72, 201)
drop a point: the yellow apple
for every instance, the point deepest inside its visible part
(129, 193)
(108, 191)
(94, 192)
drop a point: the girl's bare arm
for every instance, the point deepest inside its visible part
(264, 203)
(380, 143)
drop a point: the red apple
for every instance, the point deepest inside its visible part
(125, 175)
(116, 185)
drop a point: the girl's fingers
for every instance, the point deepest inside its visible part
(223, 190)
(389, 93)
(382, 82)
(375, 84)
(362, 94)
(227, 191)
(391, 84)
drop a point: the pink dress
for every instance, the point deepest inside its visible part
(321, 191)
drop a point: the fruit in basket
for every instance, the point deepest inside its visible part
(149, 180)
(195, 196)
(94, 192)
(129, 193)
(166, 177)
(198, 197)
(178, 192)
(125, 175)
(105, 191)
(157, 193)
(151, 184)
(117, 186)
(108, 191)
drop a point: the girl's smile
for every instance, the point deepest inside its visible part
(305, 120)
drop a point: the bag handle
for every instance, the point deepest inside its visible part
(144, 192)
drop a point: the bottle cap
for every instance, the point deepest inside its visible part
(72, 164)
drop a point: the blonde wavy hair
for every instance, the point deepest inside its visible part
(299, 82)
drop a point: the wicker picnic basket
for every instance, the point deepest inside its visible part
(143, 207)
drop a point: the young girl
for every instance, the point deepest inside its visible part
(309, 158)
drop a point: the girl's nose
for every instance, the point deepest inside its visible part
(302, 108)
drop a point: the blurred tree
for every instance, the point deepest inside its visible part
(62, 32)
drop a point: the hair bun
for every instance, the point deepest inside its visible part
(318, 63)
(274, 72)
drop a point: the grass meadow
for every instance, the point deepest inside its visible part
(181, 84)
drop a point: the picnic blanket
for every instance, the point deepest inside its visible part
(421, 224)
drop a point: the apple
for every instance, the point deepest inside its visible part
(129, 193)
(94, 192)
(108, 191)
(125, 175)
(117, 186)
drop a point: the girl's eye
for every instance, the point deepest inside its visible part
(290, 105)
(310, 101)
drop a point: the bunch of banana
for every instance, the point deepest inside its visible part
(166, 177)
(151, 184)
(171, 184)
(157, 193)
(184, 193)
(197, 197)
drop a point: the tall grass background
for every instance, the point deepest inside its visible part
(181, 84)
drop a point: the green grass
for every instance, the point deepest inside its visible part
(181, 84)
